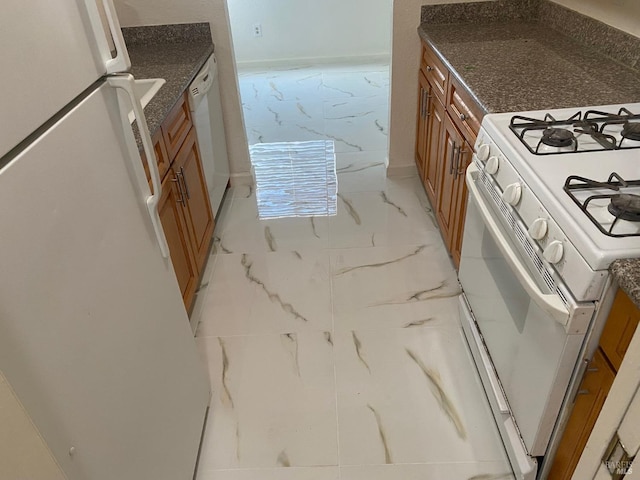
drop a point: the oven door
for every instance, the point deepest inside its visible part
(515, 320)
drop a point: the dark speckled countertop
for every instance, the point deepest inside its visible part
(627, 273)
(173, 52)
(516, 66)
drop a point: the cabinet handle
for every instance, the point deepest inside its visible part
(427, 105)
(459, 170)
(184, 180)
(463, 117)
(177, 181)
(451, 159)
(583, 392)
(421, 102)
(429, 68)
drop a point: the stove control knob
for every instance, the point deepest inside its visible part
(492, 166)
(554, 252)
(538, 229)
(512, 194)
(483, 152)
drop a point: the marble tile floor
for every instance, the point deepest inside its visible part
(333, 343)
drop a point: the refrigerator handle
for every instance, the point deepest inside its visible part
(121, 62)
(126, 82)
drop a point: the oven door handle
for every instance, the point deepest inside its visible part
(550, 303)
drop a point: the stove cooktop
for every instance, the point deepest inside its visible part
(576, 160)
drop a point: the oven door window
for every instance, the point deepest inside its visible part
(526, 345)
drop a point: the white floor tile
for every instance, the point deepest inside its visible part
(411, 396)
(277, 292)
(306, 473)
(273, 401)
(448, 471)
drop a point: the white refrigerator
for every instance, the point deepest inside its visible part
(94, 337)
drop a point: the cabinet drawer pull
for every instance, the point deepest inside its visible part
(458, 161)
(177, 182)
(184, 180)
(429, 68)
(584, 392)
(452, 159)
(463, 117)
(592, 369)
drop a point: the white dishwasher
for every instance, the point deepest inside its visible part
(206, 109)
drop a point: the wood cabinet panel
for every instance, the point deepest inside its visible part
(464, 111)
(591, 396)
(447, 125)
(175, 230)
(421, 122)
(176, 126)
(162, 158)
(619, 329)
(197, 208)
(435, 71)
(432, 159)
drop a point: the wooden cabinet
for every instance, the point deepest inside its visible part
(596, 383)
(196, 206)
(448, 123)
(184, 208)
(175, 230)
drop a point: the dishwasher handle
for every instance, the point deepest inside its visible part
(202, 83)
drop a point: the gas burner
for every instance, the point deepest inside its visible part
(625, 206)
(558, 137)
(631, 131)
(622, 206)
(593, 131)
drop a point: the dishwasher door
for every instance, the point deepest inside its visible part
(206, 109)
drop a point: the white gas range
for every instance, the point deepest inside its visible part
(553, 200)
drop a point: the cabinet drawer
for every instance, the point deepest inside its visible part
(176, 126)
(435, 71)
(161, 157)
(464, 111)
(619, 329)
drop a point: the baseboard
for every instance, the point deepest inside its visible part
(244, 178)
(382, 58)
(402, 170)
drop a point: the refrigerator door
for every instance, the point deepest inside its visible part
(94, 337)
(51, 52)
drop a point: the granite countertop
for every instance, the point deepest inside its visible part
(173, 52)
(525, 65)
(627, 273)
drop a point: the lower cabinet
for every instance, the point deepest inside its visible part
(451, 186)
(445, 135)
(594, 388)
(196, 205)
(184, 207)
(175, 230)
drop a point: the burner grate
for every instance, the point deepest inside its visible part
(621, 204)
(564, 135)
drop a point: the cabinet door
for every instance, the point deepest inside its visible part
(619, 329)
(450, 142)
(591, 396)
(197, 208)
(175, 230)
(421, 131)
(433, 161)
(463, 160)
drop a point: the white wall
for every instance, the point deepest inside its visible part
(305, 29)
(622, 14)
(23, 452)
(159, 12)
